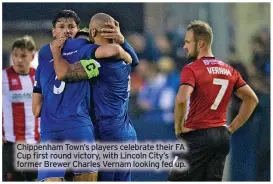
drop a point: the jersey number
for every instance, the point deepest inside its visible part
(60, 89)
(224, 84)
(129, 86)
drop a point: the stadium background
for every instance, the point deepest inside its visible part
(156, 31)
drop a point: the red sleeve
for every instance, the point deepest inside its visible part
(187, 76)
(240, 81)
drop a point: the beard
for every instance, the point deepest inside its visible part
(194, 55)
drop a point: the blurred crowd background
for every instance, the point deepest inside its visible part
(156, 32)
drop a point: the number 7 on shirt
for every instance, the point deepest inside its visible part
(224, 84)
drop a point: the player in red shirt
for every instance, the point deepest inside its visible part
(201, 105)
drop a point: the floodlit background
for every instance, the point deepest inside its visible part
(156, 32)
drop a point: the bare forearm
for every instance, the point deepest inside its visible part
(125, 56)
(61, 66)
(37, 103)
(246, 109)
(37, 111)
(68, 72)
(179, 115)
(112, 50)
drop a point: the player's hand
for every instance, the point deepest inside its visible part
(57, 45)
(183, 131)
(113, 32)
(230, 131)
(127, 58)
(186, 130)
(3, 140)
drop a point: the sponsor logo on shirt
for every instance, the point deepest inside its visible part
(21, 96)
(70, 53)
(14, 82)
(213, 62)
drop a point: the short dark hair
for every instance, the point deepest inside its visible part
(66, 14)
(25, 42)
(201, 30)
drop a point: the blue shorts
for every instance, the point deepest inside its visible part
(127, 134)
(80, 134)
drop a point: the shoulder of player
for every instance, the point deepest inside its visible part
(220, 62)
(75, 43)
(32, 71)
(190, 66)
(9, 70)
(88, 45)
(5, 72)
(227, 65)
(45, 52)
(45, 48)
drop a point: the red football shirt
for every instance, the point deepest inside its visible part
(213, 82)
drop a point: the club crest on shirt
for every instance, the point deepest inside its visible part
(14, 82)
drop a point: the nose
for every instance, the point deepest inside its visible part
(20, 60)
(67, 32)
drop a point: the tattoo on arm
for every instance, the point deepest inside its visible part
(75, 73)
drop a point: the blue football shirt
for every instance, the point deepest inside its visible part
(110, 93)
(65, 105)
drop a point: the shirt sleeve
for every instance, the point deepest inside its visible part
(88, 51)
(127, 47)
(37, 85)
(240, 81)
(187, 77)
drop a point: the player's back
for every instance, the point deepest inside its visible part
(111, 90)
(214, 82)
(65, 105)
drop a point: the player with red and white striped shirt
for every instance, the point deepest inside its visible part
(18, 123)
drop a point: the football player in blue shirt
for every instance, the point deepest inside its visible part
(64, 107)
(110, 90)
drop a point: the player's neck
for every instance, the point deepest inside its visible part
(101, 41)
(205, 53)
(21, 72)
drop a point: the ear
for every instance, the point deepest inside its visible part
(200, 44)
(33, 55)
(93, 33)
(53, 32)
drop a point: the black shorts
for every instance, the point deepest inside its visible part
(9, 172)
(207, 151)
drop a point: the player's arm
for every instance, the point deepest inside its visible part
(37, 103)
(37, 98)
(112, 50)
(247, 107)
(127, 47)
(114, 33)
(84, 69)
(181, 104)
(187, 81)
